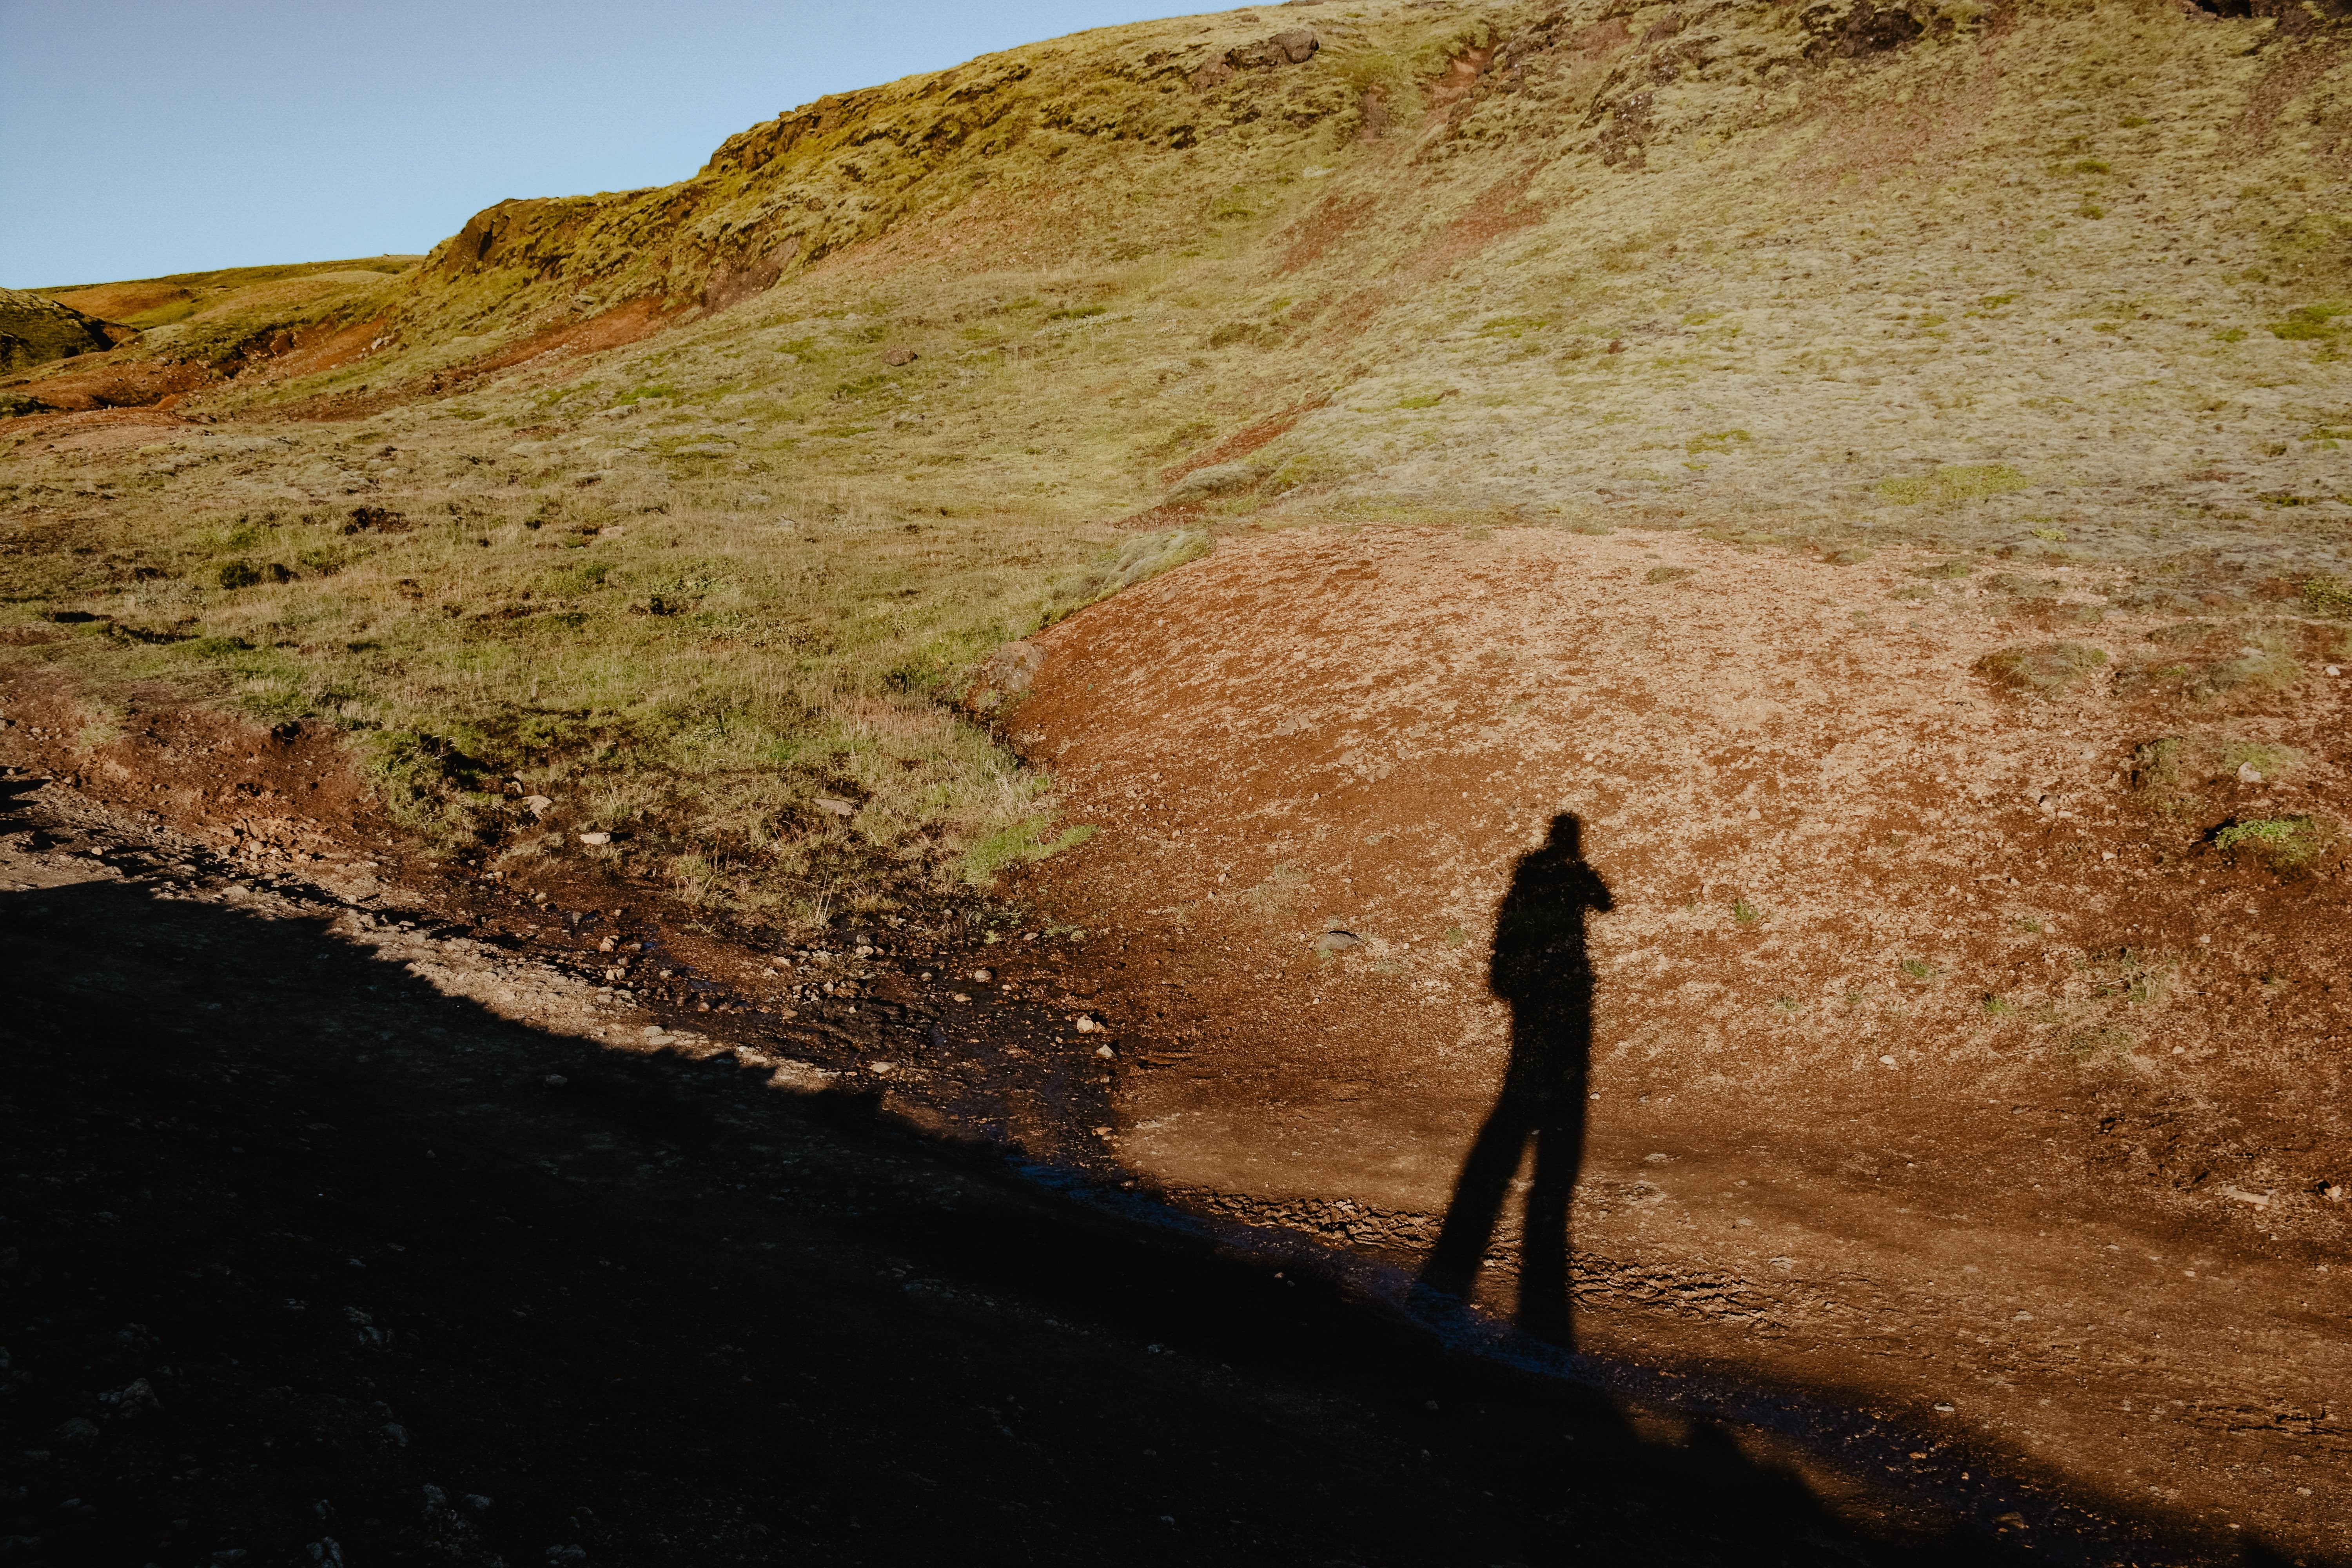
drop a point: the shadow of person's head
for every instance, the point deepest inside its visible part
(1567, 836)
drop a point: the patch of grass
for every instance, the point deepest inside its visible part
(1997, 1007)
(2156, 764)
(1020, 843)
(2286, 845)
(2270, 762)
(2028, 925)
(2047, 671)
(1746, 914)
(1972, 481)
(1136, 558)
(2108, 1043)
(2327, 596)
(1666, 573)
(1918, 969)
(2310, 323)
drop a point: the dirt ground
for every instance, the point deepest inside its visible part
(363, 1213)
(1922, 1068)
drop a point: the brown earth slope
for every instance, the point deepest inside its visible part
(1926, 1061)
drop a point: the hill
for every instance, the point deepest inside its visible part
(1210, 496)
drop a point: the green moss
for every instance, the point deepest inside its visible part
(2308, 323)
(1027, 840)
(1964, 482)
(2284, 844)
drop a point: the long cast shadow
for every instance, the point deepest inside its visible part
(295, 1241)
(1542, 969)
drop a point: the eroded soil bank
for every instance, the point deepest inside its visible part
(1924, 1045)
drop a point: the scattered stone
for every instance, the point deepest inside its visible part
(555, 1080)
(983, 976)
(1338, 941)
(595, 838)
(1104, 1052)
(537, 804)
(1887, 1061)
(961, 996)
(837, 807)
(1086, 1024)
(133, 1399)
(73, 1434)
(899, 354)
(2249, 773)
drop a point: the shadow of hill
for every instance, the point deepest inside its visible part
(300, 1249)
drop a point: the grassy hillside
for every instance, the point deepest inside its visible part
(2053, 282)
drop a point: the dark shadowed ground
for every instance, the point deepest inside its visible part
(307, 1262)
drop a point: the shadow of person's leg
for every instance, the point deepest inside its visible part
(1452, 1265)
(1546, 1281)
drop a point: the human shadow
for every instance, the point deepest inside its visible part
(1541, 968)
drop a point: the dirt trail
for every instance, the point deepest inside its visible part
(1925, 1069)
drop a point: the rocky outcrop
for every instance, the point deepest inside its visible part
(1294, 46)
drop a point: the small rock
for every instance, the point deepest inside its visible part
(537, 804)
(882, 1068)
(1104, 1052)
(1655, 1159)
(960, 997)
(900, 355)
(133, 1398)
(1887, 1061)
(983, 976)
(2335, 669)
(2249, 773)
(75, 1432)
(595, 838)
(555, 1080)
(837, 807)
(1338, 941)
(1085, 1024)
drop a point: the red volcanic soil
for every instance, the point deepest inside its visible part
(1884, 1043)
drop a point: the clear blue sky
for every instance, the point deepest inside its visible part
(145, 137)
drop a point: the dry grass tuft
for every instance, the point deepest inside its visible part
(2047, 671)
